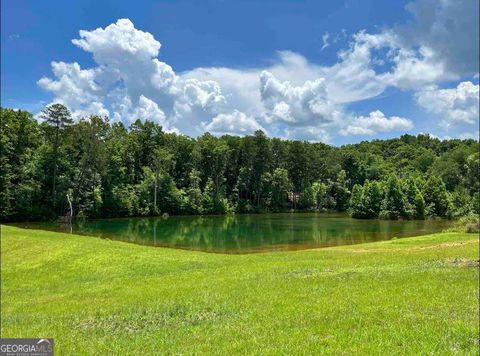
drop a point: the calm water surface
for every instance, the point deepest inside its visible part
(247, 233)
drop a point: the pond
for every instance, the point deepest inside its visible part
(247, 233)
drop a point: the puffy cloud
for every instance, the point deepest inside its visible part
(297, 105)
(148, 110)
(204, 94)
(234, 123)
(295, 68)
(74, 86)
(94, 108)
(197, 102)
(291, 97)
(267, 95)
(120, 37)
(308, 133)
(241, 87)
(413, 69)
(164, 78)
(358, 74)
(374, 123)
(440, 43)
(353, 77)
(455, 105)
(132, 82)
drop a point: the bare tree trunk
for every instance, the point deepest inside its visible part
(93, 193)
(93, 162)
(71, 207)
(155, 194)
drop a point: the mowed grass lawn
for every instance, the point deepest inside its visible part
(93, 296)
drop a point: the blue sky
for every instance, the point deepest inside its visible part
(333, 71)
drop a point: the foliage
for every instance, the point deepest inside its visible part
(366, 201)
(469, 223)
(415, 203)
(394, 202)
(436, 197)
(112, 170)
(320, 195)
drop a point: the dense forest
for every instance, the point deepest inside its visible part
(109, 170)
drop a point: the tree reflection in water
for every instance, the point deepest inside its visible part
(249, 233)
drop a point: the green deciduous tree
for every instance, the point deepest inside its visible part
(436, 197)
(280, 186)
(366, 200)
(414, 202)
(393, 204)
(320, 195)
(194, 194)
(111, 170)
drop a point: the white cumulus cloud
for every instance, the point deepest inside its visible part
(234, 123)
(454, 105)
(374, 123)
(130, 82)
(297, 105)
(308, 133)
(292, 96)
(75, 86)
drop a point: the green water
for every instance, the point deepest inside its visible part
(248, 233)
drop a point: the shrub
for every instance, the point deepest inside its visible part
(469, 223)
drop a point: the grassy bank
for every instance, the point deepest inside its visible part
(415, 296)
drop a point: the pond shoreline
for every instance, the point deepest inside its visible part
(246, 233)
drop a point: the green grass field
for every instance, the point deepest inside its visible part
(408, 296)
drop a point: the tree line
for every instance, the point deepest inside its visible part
(109, 170)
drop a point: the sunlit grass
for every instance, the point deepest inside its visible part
(408, 296)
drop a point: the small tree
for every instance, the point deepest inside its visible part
(415, 204)
(357, 210)
(419, 206)
(307, 198)
(436, 197)
(393, 203)
(242, 188)
(339, 191)
(194, 193)
(281, 185)
(372, 199)
(366, 201)
(163, 161)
